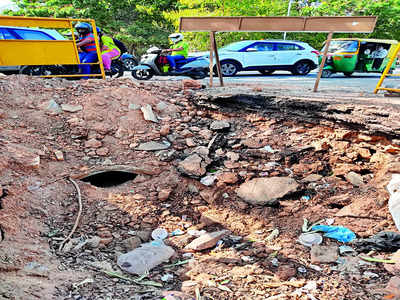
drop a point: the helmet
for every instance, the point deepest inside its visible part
(83, 28)
(176, 37)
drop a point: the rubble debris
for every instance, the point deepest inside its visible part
(266, 191)
(153, 146)
(207, 240)
(355, 179)
(71, 108)
(323, 254)
(220, 125)
(193, 165)
(146, 257)
(148, 113)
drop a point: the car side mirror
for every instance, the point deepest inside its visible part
(251, 50)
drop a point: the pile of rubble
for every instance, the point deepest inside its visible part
(221, 183)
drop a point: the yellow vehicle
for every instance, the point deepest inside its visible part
(348, 55)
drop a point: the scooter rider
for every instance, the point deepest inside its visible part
(87, 46)
(179, 49)
(108, 50)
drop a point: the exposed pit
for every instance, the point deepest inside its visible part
(109, 178)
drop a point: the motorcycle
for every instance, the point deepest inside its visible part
(154, 62)
(117, 70)
(129, 61)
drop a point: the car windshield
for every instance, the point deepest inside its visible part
(342, 46)
(235, 46)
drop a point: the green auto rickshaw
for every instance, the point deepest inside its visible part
(349, 55)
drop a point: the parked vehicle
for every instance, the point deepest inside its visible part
(267, 56)
(25, 33)
(155, 63)
(349, 55)
(129, 61)
(117, 69)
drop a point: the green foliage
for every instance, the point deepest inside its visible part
(141, 23)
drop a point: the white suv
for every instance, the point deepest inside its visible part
(267, 56)
(26, 33)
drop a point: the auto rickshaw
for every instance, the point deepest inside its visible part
(349, 55)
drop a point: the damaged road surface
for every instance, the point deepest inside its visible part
(218, 184)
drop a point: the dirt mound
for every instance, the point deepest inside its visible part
(180, 172)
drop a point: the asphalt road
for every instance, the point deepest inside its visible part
(358, 82)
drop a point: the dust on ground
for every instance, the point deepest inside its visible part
(340, 151)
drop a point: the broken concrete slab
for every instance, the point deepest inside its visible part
(266, 191)
(153, 146)
(148, 113)
(207, 240)
(220, 125)
(71, 108)
(324, 254)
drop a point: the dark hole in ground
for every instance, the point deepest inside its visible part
(2, 236)
(109, 178)
(335, 205)
(3, 193)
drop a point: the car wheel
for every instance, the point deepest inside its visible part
(129, 64)
(266, 72)
(40, 70)
(229, 68)
(301, 68)
(142, 74)
(347, 74)
(326, 73)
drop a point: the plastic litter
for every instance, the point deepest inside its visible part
(340, 233)
(208, 180)
(177, 232)
(346, 250)
(302, 270)
(386, 241)
(167, 277)
(275, 262)
(141, 260)
(269, 149)
(159, 234)
(394, 201)
(310, 239)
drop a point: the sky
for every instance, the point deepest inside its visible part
(6, 4)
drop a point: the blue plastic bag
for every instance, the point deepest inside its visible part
(340, 233)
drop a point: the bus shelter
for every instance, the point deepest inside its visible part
(330, 25)
(45, 52)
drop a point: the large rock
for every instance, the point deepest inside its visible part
(193, 166)
(262, 191)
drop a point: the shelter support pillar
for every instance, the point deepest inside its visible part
(214, 50)
(321, 67)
